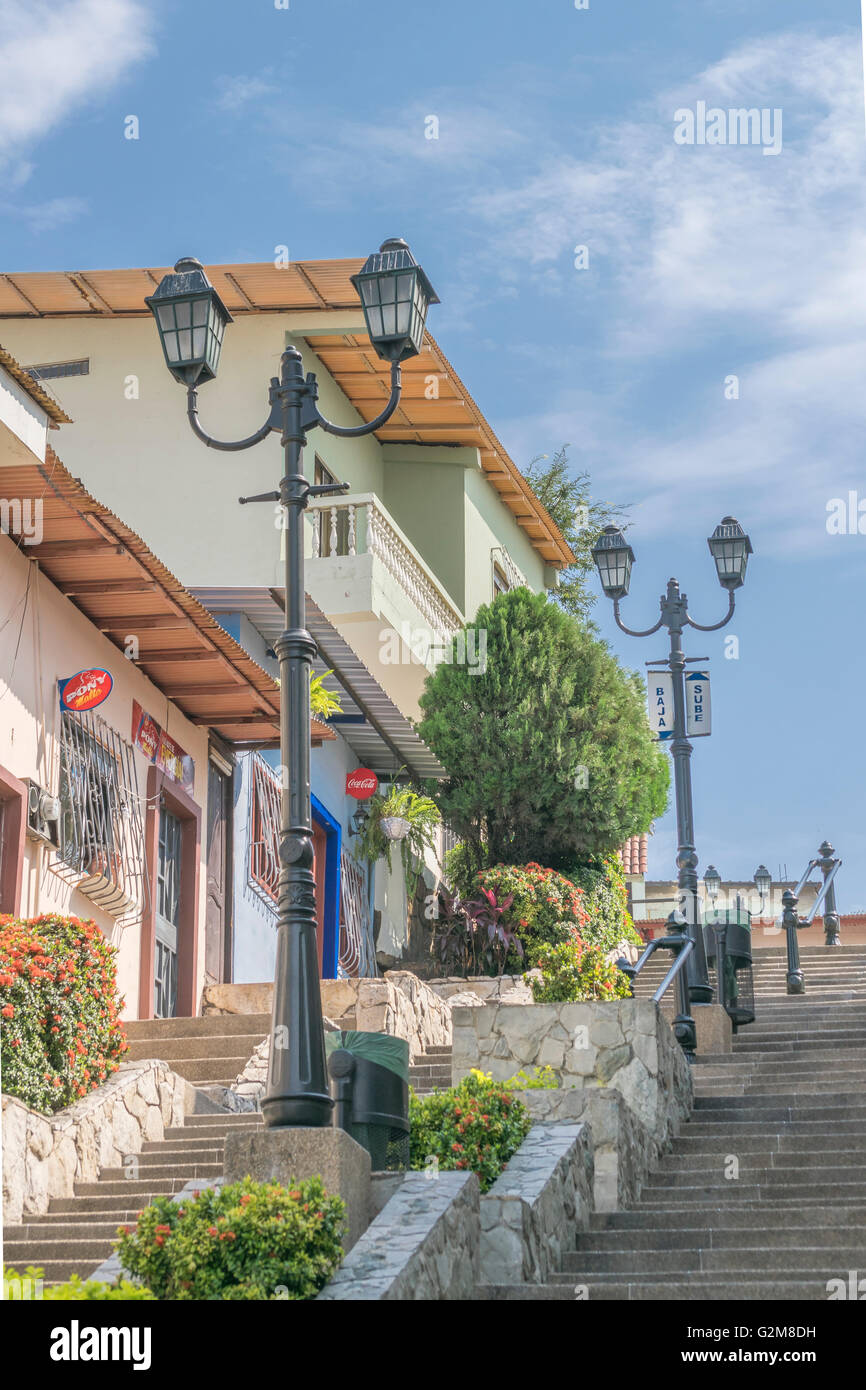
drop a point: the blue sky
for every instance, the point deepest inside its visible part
(306, 127)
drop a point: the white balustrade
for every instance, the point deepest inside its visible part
(383, 538)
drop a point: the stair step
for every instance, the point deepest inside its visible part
(706, 1237)
(213, 1025)
(644, 1265)
(195, 1048)
(185, 1170)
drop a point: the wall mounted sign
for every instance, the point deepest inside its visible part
(361, 783)
(85, 690)
(660, 703)
(698, 704)
(159, 748)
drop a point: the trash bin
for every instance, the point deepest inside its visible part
(370, 1084)
(738, 995)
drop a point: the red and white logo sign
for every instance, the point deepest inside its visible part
(85, 690)
(361, 783)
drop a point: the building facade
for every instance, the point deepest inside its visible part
(437, 520)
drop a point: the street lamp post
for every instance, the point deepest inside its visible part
(826, 863)
(730, 548)
(191, 318)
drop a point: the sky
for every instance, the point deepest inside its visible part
(704, 355)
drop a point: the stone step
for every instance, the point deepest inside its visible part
(735, 1289)
(697, 1129)
(174, 1050)
(439, 1050)
(123, 1207)
(211, 1121)
(765, 1192)
(142, 1192)
(185, 1169)
(703, 1237)
(762, 1142)
(221, 1071)
(213, 1025)
(807, 1217)
(44, 1250)
(59, 1271)
(762, 1161)
(750, 1262)
(52, 1228)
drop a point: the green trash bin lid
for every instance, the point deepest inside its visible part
(381, 1048)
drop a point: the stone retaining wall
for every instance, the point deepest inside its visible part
(44, 1155)
(423, 1245)
(624, 1151)
(537, 1206)
(626, 1045)
(398, 1003)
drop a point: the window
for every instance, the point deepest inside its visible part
(263, 873)
(47, 371)
(101, 832)
(500, 582)
(333, 530)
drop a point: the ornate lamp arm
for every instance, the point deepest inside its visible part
(192, 415)
(714, 627)
(312, 416)
(631, 632)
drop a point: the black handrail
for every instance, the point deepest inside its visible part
(683, 1024)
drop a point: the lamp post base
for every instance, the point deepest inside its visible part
(796, 983)
(305, 1110)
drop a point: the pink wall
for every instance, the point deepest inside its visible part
(56, 640)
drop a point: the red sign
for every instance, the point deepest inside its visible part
(159, 748)
(361, 783)
(85, 690)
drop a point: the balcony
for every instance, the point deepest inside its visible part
(371, 583)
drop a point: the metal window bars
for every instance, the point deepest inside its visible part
(101, 824)
(263, 867)
(357, 948)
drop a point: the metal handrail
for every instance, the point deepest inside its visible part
(683, 1024)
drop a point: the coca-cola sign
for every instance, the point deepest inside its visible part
(361, 783)
(85, 690)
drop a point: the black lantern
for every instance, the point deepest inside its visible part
(730, 547)
(614, 558)
(712, 882)
(395, 295)
(763, 880)
(191, 319)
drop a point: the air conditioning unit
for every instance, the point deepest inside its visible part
(43, 815)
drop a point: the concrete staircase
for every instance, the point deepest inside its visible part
(78, 1232)
(786, 1112)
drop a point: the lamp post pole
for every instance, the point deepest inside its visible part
(826, 863)
(395, 294)
(730, 548)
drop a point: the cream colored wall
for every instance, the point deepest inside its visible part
(56, 641)
(138, 455)
(489, 523)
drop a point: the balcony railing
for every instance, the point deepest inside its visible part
(360, 525)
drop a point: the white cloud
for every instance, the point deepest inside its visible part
(238, 92)
(55, 57)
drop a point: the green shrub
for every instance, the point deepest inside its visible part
(544, 905)
(30, 1285)
(476, 1126)
(60, 1035)
(573, 973)
(248, 1240)
(606, 902)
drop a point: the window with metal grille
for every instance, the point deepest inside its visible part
(263, 870)
(168, 877)
(101, 828)
(46, 371)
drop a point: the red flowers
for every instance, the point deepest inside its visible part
(8, 1011)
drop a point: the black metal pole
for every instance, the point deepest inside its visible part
(298, 1092)
(831, 916)
(791, 922)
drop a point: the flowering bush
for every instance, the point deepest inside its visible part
(573, 972)
(248, 1240)
(606, 902)
(472, 938)
(476, 1125)
(544, 904)
(60, 1035)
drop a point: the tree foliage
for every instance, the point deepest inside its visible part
(548, 750)
(580, 517)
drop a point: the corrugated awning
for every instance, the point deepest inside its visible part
(381, 736)
(316, 289)
(108, 572)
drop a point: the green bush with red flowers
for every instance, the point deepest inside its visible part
(544, 906)
(573, 972)
(60, 1034)
(244, 1241)
(477, 1125)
